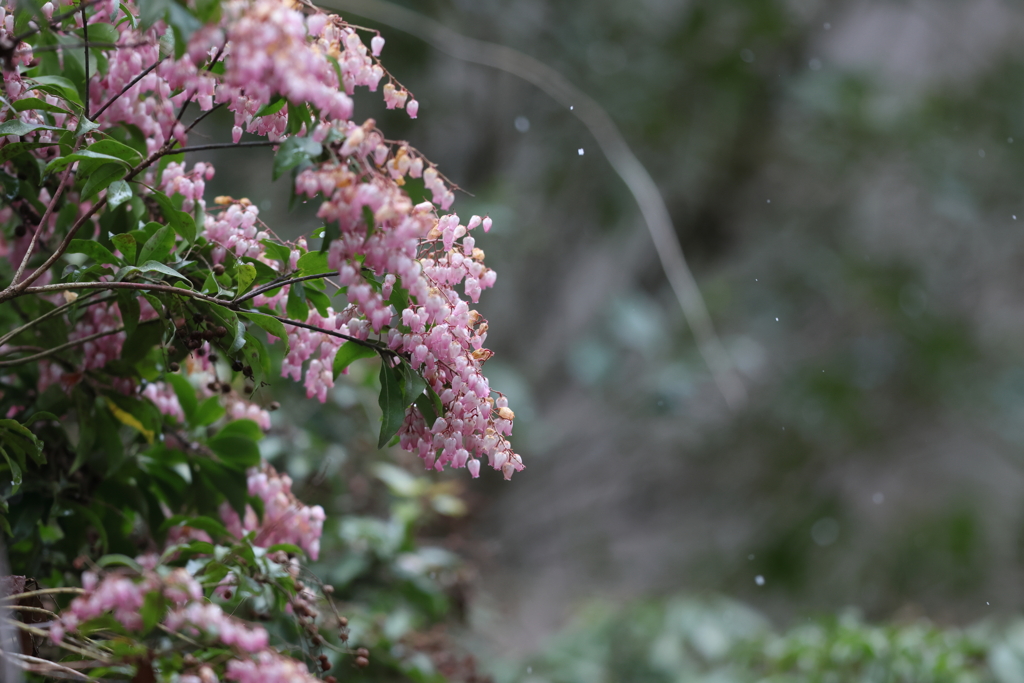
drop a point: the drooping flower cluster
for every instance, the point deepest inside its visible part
(123, 596)
(285, 518)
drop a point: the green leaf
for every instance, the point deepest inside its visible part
(154, 266)
(185, 393)
(208, 412)
(313, 263)
(255, 354)
(298, 115)
(102, 177)
(137, 345)
(269, 323)
(128, 304)
(16, 476)
(19, 127)
(368, 220)
(207, 524)
(154, 606)
(13, 433)
(158, 247)
(414, 383)
(320, 300)
(85, 126)
(126, 245)
(236, 451)
(119, 560)
(275, 105)
(391, 400)
(182, 222)
(245, 428)
(118, 192)
(296, 306)
(94, 250)
(36, 104)
(245, 274)
(184, 23)
(100, 32)
(60, 86)
(349, 352)
(129, 155)
(276, 251)
(11, 150)
(293, 152)
(84, 155)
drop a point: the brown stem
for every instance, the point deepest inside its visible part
(58, 349)
(276, 285)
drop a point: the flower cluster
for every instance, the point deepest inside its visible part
(285, 518)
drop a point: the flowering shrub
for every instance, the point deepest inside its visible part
(138, 322)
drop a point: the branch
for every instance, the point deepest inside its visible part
(54, 21)
(277, 284)
(49, 314)
(613, 145)
(221, 145)
(127, 88)
(85, 37)
(376, 346)
(57, 349)
(42, 221)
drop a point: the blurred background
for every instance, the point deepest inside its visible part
(843, 176)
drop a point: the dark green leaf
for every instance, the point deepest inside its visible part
(276, 251)
(13, 433)
(244, 428)
(19, 127)
(118, 192)
(128, 304)
(11, 150)
(207, 524)
(100, 178)
(298, 116)
(15, 471)
(313, 263)
(185, 393)
(273, 107)
(94, 250)
(391, 400)
(349, 352)
(320, 300)
(34, 103)
(126, 245)
(154, 266)
(296, 307)
(269, 323)
(154, 606)
(293, 152)
(60, 86)
(208, 412)
(158, 247)
(236, 451)
(182, 222)
(245, 274)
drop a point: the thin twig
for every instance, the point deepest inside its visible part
(85, 38)
(277, 284)
(224, 145)
(46, 664)
(330, 333)
(616, 150)
(46, 217)
(51, 313)
(54, 21)
(58, 349)
(128, 87)
(43, 591)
